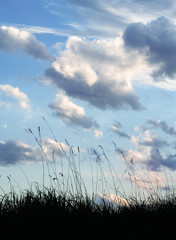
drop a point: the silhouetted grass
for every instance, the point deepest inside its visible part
(44, 214)
(65, 209)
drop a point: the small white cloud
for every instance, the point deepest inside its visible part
(113, 128)
(110, 199)
(14, 92)
(98, 133)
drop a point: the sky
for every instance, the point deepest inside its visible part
(89, 74)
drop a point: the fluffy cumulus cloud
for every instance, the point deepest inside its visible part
(15, 151)
(150, 148)
(147, 153)
(71, 113)
(98, 72)
(13, 39)
(157, 41)
(14, 92)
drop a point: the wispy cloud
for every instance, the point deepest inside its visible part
(86, 17)
(32, 29)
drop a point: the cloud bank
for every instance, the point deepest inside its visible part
(13, 39)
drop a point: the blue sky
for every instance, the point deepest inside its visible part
(97, 71)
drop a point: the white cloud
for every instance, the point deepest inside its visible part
(146, 153)
(110, 199)
(99, 72)
(14, 92)
(49, 146)
(98, 133)
(5, 126)
(71, 113)
(12, 39)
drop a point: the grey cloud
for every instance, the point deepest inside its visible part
(15, 151)
(99, 95)
(79, 121)
(155, 143)
(115, 128)
(122, 134)
(117, 124)
(163, 126)
(170, 162)
(156, 161)
(12, 39)
(157, 40)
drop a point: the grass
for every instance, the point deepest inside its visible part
(42, 214)
(66, 210)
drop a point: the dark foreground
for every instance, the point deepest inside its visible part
(48, 216)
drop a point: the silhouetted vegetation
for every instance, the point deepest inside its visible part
(66, 210)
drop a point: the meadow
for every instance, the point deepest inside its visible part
(65, 209)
